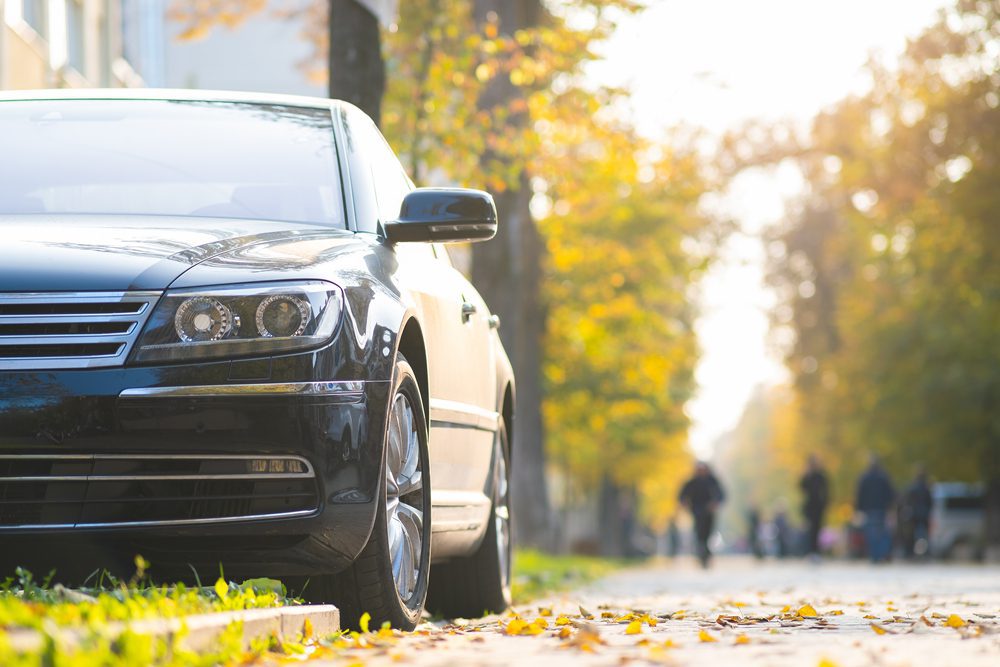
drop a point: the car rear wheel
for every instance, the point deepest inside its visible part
(389, 579)
(479, 584)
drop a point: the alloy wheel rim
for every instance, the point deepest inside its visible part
(404, 501)
(501, 518)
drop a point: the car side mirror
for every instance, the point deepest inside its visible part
(444, 215)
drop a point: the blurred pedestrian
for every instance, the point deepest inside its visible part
(816, 491)
(782, 534)
(753, 533)
(673, 537)
(701, 495)
(874, 499)
(915, 514)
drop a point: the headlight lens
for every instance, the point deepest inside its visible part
(242, 320)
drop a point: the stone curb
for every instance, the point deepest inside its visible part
(202, 630)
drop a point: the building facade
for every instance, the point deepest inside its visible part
(71, 43)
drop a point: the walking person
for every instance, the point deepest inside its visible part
(673, 537)
(701, 495)
(753, 533)
(816, 491)
(915, 514)
(874, 500)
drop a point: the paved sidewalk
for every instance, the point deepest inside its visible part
(739, 613)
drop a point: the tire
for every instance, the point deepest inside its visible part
(374, 583)
(479, 583)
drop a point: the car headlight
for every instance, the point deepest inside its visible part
(242, 320)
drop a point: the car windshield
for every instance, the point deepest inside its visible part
(159, 157)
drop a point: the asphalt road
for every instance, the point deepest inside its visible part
(738, 613)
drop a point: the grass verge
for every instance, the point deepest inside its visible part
(537, 574)
(54, 612)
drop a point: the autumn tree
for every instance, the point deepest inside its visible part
(888, 268)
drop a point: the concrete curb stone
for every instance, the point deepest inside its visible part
(202, 629)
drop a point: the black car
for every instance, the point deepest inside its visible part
(230, 334)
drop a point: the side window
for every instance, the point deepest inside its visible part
(374, 166)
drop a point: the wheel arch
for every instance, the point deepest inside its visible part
(507, 413)
(411, 346)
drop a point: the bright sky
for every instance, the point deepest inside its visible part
(714, 65)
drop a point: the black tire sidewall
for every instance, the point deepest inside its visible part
(409, 612)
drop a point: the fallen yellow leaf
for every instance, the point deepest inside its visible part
(515, 627)
(807, 610)
(703, 635)
(562, 620)
(564, 632)
(879, 630)
(955, 621)
(825, 662)
(634, 628)
(544, 611)
(742, 639)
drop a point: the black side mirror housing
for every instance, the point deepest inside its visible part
(444, 215)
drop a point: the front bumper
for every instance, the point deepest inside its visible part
(207, 411)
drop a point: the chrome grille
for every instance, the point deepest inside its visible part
(60, 491)
(67, 330)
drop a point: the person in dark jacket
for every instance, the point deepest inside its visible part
(874, 499)
(816, 491)
(753, 533)
(701, 495)
(915, 514)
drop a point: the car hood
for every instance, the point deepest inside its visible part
(115, 253)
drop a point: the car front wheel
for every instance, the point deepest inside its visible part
(389, 579)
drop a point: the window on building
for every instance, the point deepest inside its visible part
(35, 14)
(75, 48)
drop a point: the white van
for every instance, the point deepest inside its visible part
(957, 520)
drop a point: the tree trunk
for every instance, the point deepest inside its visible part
(507, 272)
(356, 68)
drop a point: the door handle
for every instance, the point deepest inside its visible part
(468, 310)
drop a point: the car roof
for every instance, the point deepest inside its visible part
(179, 95)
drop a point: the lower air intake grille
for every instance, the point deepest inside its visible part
(80, 491)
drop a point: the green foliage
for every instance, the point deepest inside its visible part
(538, 574)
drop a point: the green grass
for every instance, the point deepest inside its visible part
(537, 574)
(51, 611)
